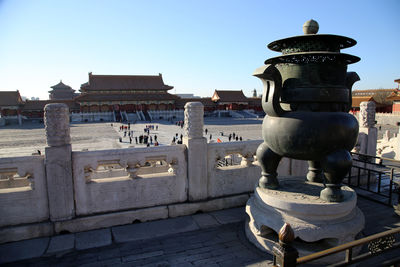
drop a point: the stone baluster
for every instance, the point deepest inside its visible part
(59, 162)
(197, 151)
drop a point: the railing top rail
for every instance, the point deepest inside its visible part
(369, 156)
(123, 151)
(388, 161)
(343, 247)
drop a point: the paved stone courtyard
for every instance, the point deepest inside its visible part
(207, 239)
(210, 239)
(27, 139)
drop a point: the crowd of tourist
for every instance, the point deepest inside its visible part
(144, 139)
(147, 138)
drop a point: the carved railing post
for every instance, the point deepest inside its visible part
(59, 162)
(197, 151)
(284, 254)
(367, 126)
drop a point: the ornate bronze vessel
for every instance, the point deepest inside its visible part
(307, 96)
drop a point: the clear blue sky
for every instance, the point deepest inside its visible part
(198, 46)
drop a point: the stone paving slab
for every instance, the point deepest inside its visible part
(205, 220)
(153, 229)
(22, 250)
(93, 239)
(229, 215)
(61, 244)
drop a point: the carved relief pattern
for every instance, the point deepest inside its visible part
(381, 244)
(118, 168)
(10, 178)
(234, 155)
(367, 114)
(56, 120)
(194, 113)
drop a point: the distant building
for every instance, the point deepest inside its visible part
(380, 97)
(34, 109)
(11, 105)
(123, 94)
(128, 93)
(356, 101)
(372, 92)
(61, 91)
(398, 83)
(230, 100)
(188, 96)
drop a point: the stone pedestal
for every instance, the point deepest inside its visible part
(317, 224)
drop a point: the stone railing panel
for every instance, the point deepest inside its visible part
(233, 179)
(120, 179)
(23, 191)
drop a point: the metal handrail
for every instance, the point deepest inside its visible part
(381, 159)
(348, 247)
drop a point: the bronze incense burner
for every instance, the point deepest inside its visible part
(307, 97)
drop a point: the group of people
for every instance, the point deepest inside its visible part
(179, 123)
(175, 139)
(124, 127)
(145, 139)
(232, 136)
(152, 127)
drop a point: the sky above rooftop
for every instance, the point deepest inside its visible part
(198, 46)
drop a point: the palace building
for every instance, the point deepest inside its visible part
(11, 103)
(130, 93)
(61, 91)
(230, 100)
(124, 98)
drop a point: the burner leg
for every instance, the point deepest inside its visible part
(315, 172)
(336, 165)
(269, 162)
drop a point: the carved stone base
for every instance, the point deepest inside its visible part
(317, 224)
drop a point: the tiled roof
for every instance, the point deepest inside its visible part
(356, 100)
(124, 82)
(10, 98)
(394, 97)
(371, 92)
(61, 86)
(39, 104)
(125, 97)
(229, 96)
